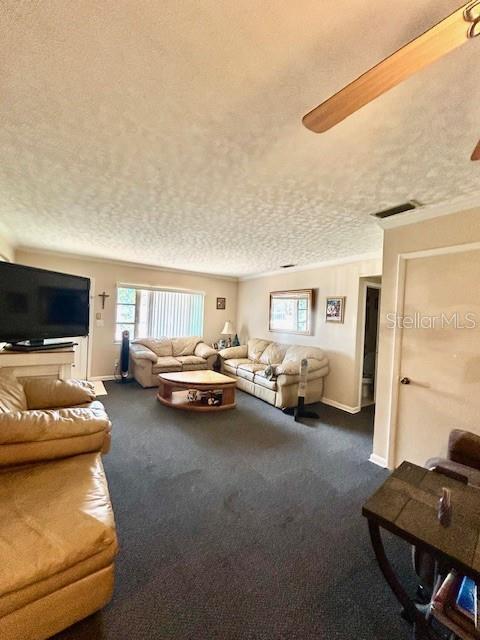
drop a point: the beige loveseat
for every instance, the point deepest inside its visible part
(270, 370)
(57, 532)
(151, 356)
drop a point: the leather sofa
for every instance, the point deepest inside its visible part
(50, 419)
(270, 370)
(151, 356)
(57, 531)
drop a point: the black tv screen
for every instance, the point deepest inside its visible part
(36, 304)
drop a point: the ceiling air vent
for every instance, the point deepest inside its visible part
(401, 208)
(287, 266)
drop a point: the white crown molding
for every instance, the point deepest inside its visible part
(376, 255)
(430, 211)
(123, 263)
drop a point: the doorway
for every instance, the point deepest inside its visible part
(369, 351)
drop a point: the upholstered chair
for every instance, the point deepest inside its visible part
(45, 418)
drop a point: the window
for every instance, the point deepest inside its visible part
(126, 307)
(158, 313)
(290, 311)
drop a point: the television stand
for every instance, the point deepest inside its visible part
(38, 345)
(48, 363)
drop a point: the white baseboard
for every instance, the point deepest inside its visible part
(102, 378)
(378, 460)
(339, 405)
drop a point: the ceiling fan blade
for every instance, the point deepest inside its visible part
(447, 35)
(476, 152)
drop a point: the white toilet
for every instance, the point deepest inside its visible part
(367, 388)
(368, 377)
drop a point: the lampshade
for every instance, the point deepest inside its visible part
(228, 329)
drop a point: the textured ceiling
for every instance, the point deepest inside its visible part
(170, 132)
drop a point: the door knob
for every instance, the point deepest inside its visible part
(405, 381)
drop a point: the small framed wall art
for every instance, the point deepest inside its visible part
(335, 309)
(221, 303)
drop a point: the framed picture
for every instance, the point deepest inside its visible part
(221, 303)
(335, 309)
(291, 311)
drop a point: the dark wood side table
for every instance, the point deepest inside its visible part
(406, 505)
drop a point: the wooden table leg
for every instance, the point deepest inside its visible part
(228, 395)
(411, 612)
(165, 390)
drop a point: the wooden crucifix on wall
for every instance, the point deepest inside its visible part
(103, 296)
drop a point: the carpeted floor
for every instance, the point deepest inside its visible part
(242, 525)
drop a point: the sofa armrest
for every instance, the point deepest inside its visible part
(46, 393)
(140, 352)
(203, 350)
(464, 448)
(288, 369)
(37, 435)
(234, 352)
(38, 425)
(286, 379)
(292, 367)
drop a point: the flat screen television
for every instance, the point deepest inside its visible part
(36, 305)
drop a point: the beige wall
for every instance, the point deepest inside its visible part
(106, 274)
(340, 341)
(7, 249)
(445, 231)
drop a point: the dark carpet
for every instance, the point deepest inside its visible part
(242, 525)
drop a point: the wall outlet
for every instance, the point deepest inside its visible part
(116, 364)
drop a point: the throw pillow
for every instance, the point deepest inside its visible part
(12, 393)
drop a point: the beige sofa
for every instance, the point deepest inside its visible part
(248, 365)
(151, 356)
(49, 419)
(57, 531)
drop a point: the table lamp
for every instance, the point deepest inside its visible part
(228, 331)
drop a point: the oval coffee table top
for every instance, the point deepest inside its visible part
(198, 377)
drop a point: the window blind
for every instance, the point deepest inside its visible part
(160, 312)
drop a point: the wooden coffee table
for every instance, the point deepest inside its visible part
(173, 389)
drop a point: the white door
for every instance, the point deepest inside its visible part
(440, 357)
